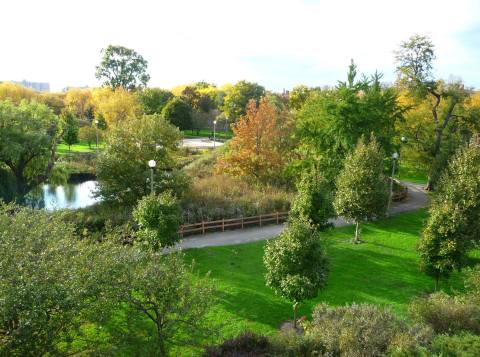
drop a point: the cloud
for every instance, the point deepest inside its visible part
(277, 43)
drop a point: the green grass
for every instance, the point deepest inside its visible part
(207, 133)
(383, 270)
(81, 146)
(412, 172)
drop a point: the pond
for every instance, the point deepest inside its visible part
(71, 195)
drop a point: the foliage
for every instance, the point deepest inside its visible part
(122, 168)
(330, 123)
(299, 95)
(16, 93)
(220, 196)
(261, 144)
(27, 147)
(238, 96)
(159, 220)
(70, 129)
(446, 314)
(296, 265)
(178, 112)
(89, 135)
(114, 106)
(153, 100)
(454, 223)
(122, 67)
(245, 344)
(199, 100)
(463, 345)
(54, 101)
(364, 330)
(79, 101)
(362, 192)
(314, 202)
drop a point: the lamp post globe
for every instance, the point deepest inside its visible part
(96, 130)
(152, 164)
(214, 132)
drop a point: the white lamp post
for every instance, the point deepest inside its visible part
(151, 164)
(395, 158)
(214, 129)
(96, 130)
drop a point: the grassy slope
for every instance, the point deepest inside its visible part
(412, 172)
(81, 146)
(207, 133)
(383, 270)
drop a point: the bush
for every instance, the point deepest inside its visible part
(246, 344)
(292, 344)
(446, 314)
(363, 330)
(465, 345)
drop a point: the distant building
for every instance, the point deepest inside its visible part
(66, 89)
(38, 86)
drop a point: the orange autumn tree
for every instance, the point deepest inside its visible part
(261, 143)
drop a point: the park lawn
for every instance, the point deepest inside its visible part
(383, 270)
(412, 172)
(81, 146)
(203, 133)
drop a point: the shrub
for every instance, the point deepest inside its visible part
(363, 330)
(292, 344)
(465, 345)
(446, 314)
(246, 344)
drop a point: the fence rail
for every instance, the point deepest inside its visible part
(242, 222)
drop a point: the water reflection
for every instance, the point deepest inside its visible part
(73, 196)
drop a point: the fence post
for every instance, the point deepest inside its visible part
(223, 224)
(260, 220)
(203, 227)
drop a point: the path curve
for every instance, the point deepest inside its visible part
(416, 199)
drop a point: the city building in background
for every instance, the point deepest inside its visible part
(37, 86)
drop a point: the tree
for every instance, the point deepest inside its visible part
(54, 101)
(238, 96)
(122, 167)
(29, 134)
(122, 67)
(414, 67)
(153, 100)
(70, 129)
(261, 144)
(331, 122)
(299, 95)
(114, 106)
(89, 134)
(453, 226)
(362, 190)
(159, 218)
(313, 203)
(297, 267)
(79, 101)
(178, 112)
(16, 93)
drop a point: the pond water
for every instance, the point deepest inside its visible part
(72, 195)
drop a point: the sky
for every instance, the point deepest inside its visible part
(277, 43)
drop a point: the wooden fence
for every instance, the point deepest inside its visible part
(203, 227)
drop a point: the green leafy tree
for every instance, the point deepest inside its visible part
(362, 190)
(296, 264)
(70, 129)
(153, 100)
(314, 202)
(89, 134)
(179, 113)
(122, 168)
(298, 96)
(453, 226)
(331, 122)
(159, 218)
(235, 102)
(29, 134)
(122, 67)
(445, 101)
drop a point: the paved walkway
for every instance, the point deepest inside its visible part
(417, 198)
(201, 143)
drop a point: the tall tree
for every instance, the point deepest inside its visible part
(362, 190)
(453, 227)
(122, 67)
(296, 264)
(179, 113)
(331, 122)
(153, 100)
(261, 144)
(414, 68)
(70, 129)
(79, 101)
(114, 106)
(238, 96)
(29, 134)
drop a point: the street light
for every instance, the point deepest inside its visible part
(151, 164)
(394, 158)
(214, 127)
(96, 130)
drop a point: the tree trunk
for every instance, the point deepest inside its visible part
(160, 343)
(295, 306)
(357, 233)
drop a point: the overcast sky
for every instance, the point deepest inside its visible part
(274, 42)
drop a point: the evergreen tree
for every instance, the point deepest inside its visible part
(70, 129)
